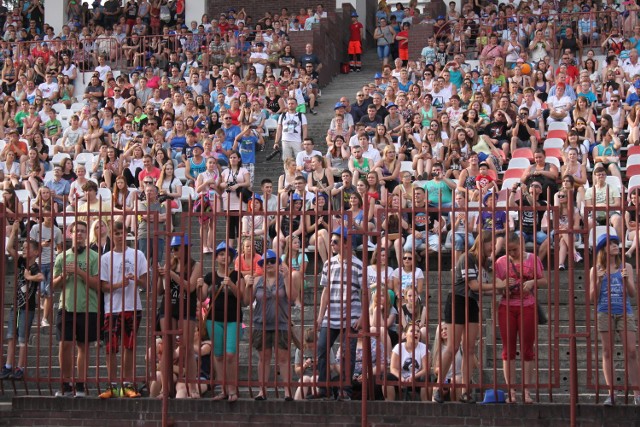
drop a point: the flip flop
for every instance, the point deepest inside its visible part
(233, 398)
(221, 396)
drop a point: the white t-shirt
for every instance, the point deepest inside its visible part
(374, 279)
(407, 279)
(103, 70)
(134, 263)
(410, 360)
(48, 89)
(292, 126)
(303, 159)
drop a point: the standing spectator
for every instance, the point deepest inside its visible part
(356, 34)
(123, 271)
(530, 221)
(611, 281)
(23, 308)
(308, 57)
(271, 294)
(522, 273)
(471, 279)
(75, 271)
(183, 274)
(224, 289)
(384, 36)
(49, 237)
(340, 311)
(292, 129)
(148, 225)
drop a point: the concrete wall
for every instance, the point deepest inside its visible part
(38, 411)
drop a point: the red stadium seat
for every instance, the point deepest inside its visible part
(524, 153)
(513, 173)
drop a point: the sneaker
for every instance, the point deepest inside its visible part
(66, 391)
(312, 111)
(609, 401)
(109, 393)
(44, 323)
(18, 374)
(80, 391)
(130, 392)
(5, 373)
(437, 396)
(636, 400)
(561, 267)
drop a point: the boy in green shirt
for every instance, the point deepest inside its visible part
(53, 127)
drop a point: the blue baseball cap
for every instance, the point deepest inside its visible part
(222, 246)
(494, 396)
(338, 105)
(179, 240)
(354, 14)
(267, 256)
(341, 231)
(377, 76)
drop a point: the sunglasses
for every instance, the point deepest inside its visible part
(335, 242)
(407, 258)
(272, 261)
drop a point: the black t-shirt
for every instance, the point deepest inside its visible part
(530, 217)
(496, 130)
(218, 295)
(26, 289)
(523, 133)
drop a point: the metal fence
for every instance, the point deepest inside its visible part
(205, 330)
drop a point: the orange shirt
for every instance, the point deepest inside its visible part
(242, 266)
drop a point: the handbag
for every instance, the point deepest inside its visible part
(245, 194)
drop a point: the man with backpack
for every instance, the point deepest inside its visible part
(292, 129)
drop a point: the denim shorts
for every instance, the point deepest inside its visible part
(22, 324)
(45, 285)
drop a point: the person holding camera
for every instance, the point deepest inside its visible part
(233, 181)
(530, 221)
(524, 133)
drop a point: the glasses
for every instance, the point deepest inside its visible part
(615, 100)
(335, 242)
(407, 258)
(227, 118)
(562, 196)
(535, 186)
(272, 261)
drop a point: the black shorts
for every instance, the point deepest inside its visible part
(85, 323)
(472, 315)
(233, 226)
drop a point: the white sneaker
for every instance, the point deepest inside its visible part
(80, 393)
(608, 401)
(636, 400)
(44, 323)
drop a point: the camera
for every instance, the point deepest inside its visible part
(229, 185)
(273, 154)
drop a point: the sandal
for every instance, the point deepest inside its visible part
(527, 397)
(512, 398)
(232, 398)
(466, 397)
(222, 396)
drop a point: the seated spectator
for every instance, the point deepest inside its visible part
(409, 365)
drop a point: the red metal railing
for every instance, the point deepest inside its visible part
(162, 353)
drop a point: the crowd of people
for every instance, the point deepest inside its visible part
(523, 146)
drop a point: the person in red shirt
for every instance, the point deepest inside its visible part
(148, 169)
(355, 43)
(403, 43)
(44, 52)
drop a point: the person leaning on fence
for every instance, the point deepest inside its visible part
(522, 273)
(75, 271)
(612, 288)
(123, 271)
(271, 295)
(340, 310)
(23, 309)
(223, 287)
(462, 313)
(183, 274)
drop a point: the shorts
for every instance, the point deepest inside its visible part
(521, 143)
(85, 324)
(301, 108)
(269, 339)
(617, 322)
(22, 324)
(120, 325)
(45, 285)
(528, 237)
(355, 47)
(224, 343)
(602, 218)
(472, 315)
(418, 380)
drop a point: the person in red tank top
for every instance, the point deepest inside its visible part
(355, 43)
